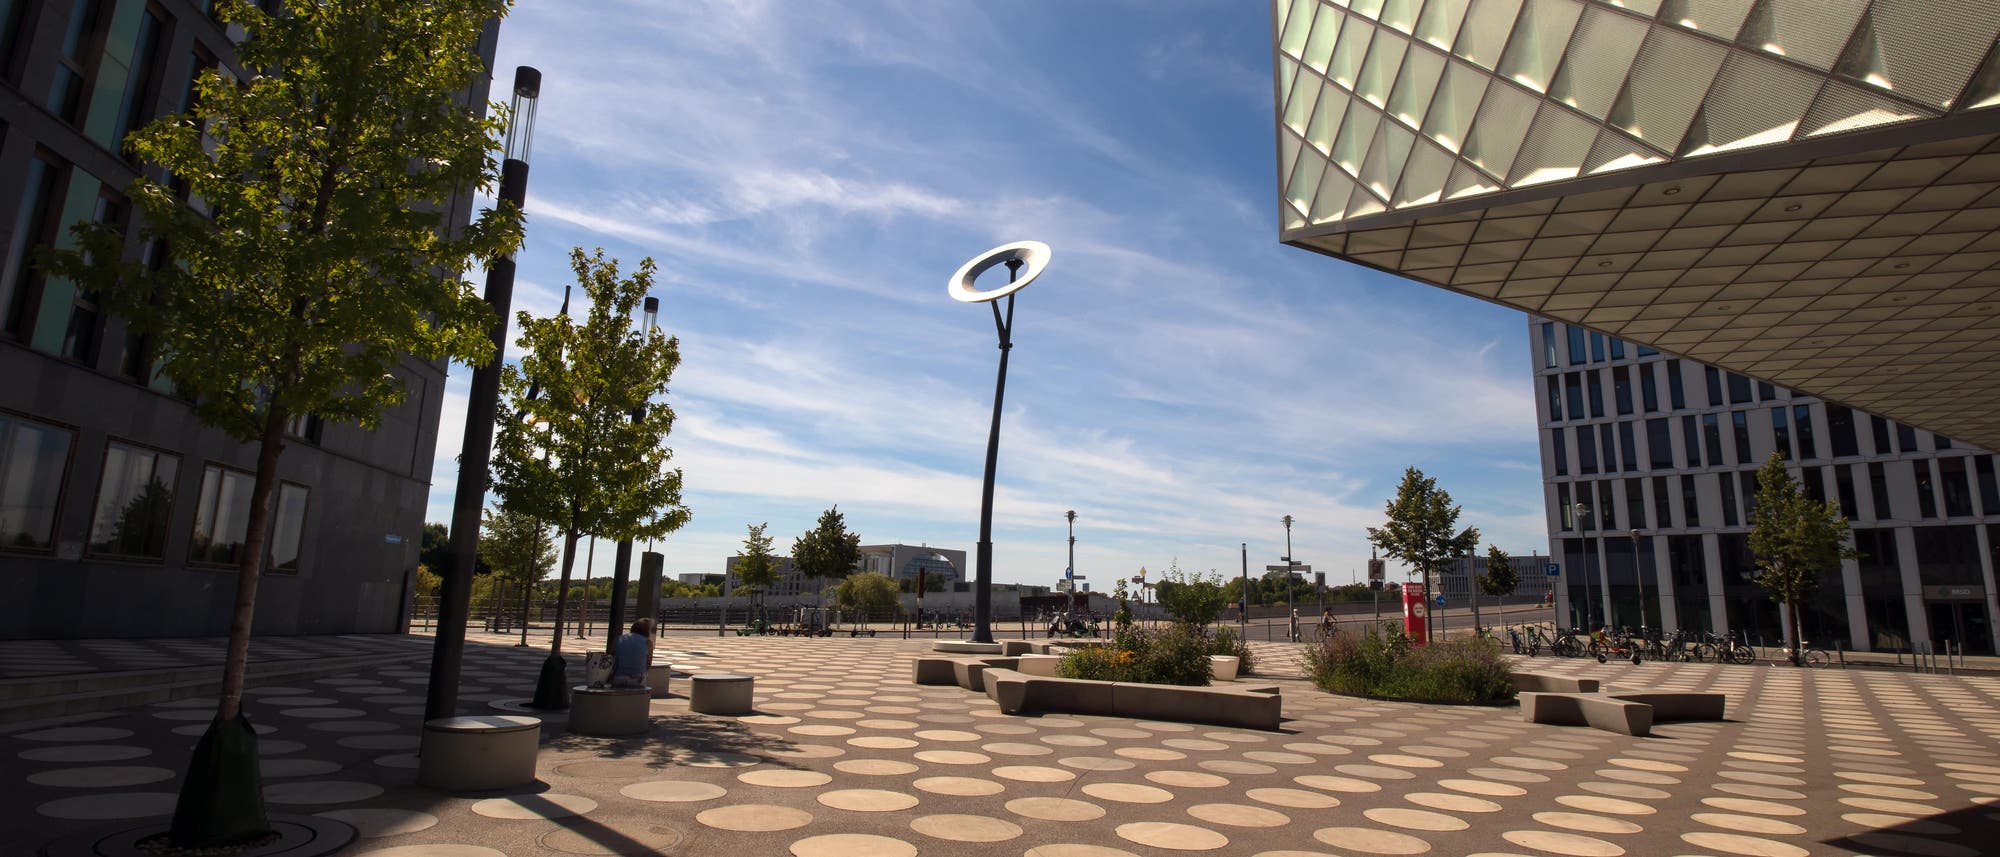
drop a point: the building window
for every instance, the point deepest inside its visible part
(1765, 392)
(1881, 427)
(69, 89)
(1621, 389)
(1802, 424)
(288, 522)
(1576, 356)
(135, 502)
(1646, 352)
(1607, 506)
(1748, 479)
(1906, 438)
(1989, 487)
(1659, 444)
(1691, 441)
(305, 427)
(1739, 389)
(1595, 386)
(1690, 502)
(1815, 484)
(1711, 433)
(1604, 444)
(35, 225)
(1562, 502)
(1676, 392)
(86, 322)
(12, 13)
(1740, 420)
(1597, 348)
(142, 82)
(1573, 390)
(1843, 478)
(1586, 450)
(1649, 389)
(1635, 503)
(221, 517)
(1663, 503)
(1840, 425)
(1548, 345)
(1940, 442)
(1878, 484)
(1728, 487)
(1926, 490)
(34, 458)
(1714, 379)
(1555, 398)
(1957, 486)
(1617, 348)
(1628, 446)
(1948, 556)
(1560, 450)
(1781, 430)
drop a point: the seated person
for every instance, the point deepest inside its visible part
(633, 654)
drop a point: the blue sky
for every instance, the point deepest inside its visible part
(809, 175)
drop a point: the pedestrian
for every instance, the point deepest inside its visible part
(1295, 624)
(632, 655)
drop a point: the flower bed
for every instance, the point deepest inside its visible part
(1177, 654)
(1389, 667)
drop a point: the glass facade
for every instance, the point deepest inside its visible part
(34, 459)
(135, 502)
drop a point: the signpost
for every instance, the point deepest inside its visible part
(1555, 569)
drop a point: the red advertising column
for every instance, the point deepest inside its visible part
(1414, 612)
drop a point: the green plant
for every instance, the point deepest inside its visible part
(1177, 654)
(1098, 663)
(1371, 663)
(827, 550)
(1226, 642)
(1422, 527)
(870, 592)
(1797, 542)
(1190, 597)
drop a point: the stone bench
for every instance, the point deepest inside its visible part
(1254, 707)
(721, 693)
(610, 712)
(962, 647)
(1678, 705)
(479, 753)
(1544, 683)
(1038, 665)
(1018, 647)
(658, 678)
(1597, 711)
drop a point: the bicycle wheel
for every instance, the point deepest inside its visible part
(1815, 658)
(1742, 654)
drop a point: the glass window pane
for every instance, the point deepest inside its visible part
(1782, 432)
(1560, 450)
(1802, 425)
(1541, 33)
(1378, 72)
(1348, 54)
(1649, 388)
(222, 519)
(1659, 444)
(1595, 387)
(288, 519)
(1621, 389)
(1691, 440)
(1739, 389)
(1740, 420)
(1666, 86)
(1906, 438)
(1628, 446)
(1554, 386)
(1439, 23)
(1456, 102)
(33, 460)
(135, 501)
(1676, 393)
(1325, 32)
(1606, 45)
(1485, 32)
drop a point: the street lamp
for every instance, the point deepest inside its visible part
(621, 563)
(1588, 623)
(1034, 255)
(1289, 609)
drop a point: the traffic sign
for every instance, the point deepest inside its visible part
(1299, 566)
(1377, 570)
(1069, 572)
(1555, 569)
(1440, 600)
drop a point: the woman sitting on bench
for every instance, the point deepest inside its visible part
(633, 654)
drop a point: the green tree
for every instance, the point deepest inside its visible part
(1500, 579)
(435, 549)
(1797, 541)
(1190, 597)
(315, 257)
(870, 591)
(758, 567)
(591, 454)
(427, 583)
(519, 548)
(1422, 528)
(827, 550)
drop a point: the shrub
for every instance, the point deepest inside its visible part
(1225, 642)
(1100, 663)
(1373, 664)
(1175, 655)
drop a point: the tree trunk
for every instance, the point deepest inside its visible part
(236, 662)
(1798, 634)
(527, 595)
(562, 589)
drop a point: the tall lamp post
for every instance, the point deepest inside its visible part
(1589, 604)
(476, 453)
(1070, 569)
(1034, 255)
(621, 564)
(1289, 609)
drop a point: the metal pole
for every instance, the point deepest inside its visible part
(589, 560)
(476, 452)
(982, 587)
(614, 620)
(1243, 615)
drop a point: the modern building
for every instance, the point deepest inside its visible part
(120, 515)
(1459, 580)
(1804, 192)
(1649, 467)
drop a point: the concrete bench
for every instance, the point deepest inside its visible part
(1544, 683)
(610, 712)
(1255, 707)
(937, 669)
(1017, 647)
(1038, 665)
(479, 753)
(961, 647)
(721, 693)
(966, 672)
(1679, 705)
(1597, 711)
(658, 678)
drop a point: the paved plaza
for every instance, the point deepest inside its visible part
(846, 757)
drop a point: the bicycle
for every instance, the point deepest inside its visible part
(1812, 656)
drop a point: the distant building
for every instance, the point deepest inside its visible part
(1532, 572)
(904, 562)
(699, 579)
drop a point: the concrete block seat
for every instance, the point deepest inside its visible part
(1679, 705)
(963, 647)
(480, 752)
(658, 678)
(1597, 711)
(1018, 647)
(610, 712)
(1545, 683)
(1038, 665)
(721, 693)
(1248, 706)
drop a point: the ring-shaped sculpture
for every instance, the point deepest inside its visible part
(1033, 255)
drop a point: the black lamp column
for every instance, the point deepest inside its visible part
(476, 455)
(621, 566)
(982, 589)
